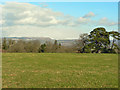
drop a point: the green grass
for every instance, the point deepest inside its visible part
(59, 70)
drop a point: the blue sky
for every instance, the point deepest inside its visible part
(61, 0)
(58, 20)
(77, 9)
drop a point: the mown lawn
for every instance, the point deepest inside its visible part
(59, 70)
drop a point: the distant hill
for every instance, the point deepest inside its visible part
(64, 42)
(67, 42)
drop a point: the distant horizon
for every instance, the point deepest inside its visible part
(42, 37)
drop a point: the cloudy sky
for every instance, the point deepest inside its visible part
(57, 20)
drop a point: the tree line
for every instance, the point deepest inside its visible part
(98, 41)
(33, 46)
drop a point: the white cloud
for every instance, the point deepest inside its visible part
(27, 14)
(43, 4)
(90, 14)
(15, 13)
(106, 21)
(35, 31)
(27, 20)
(24, 19)
(86, 19)
(83, 20)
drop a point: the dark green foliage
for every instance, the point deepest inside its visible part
(59, 45)
(4, 44)
(98, 41)
(43, 47)
(99, 38)
(115, 35)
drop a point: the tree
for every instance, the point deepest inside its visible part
(55, 47)
(98, 39)
(59, 45)
(36, 45)
(10, 43)
(43, 47)
(4, 44)
(116, 37)
(84, 40)
(81, 42)
(49, 46)
(28, 46)
(32, 46)
(18, 47)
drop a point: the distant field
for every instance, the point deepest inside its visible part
(59, 70)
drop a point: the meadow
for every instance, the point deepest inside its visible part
(59, 70)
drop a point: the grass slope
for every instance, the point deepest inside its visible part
(59, 70)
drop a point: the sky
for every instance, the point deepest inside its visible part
(61, 0)
(57, 20)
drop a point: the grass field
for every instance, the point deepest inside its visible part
(60, 70)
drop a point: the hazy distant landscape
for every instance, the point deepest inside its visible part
(64, 42)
